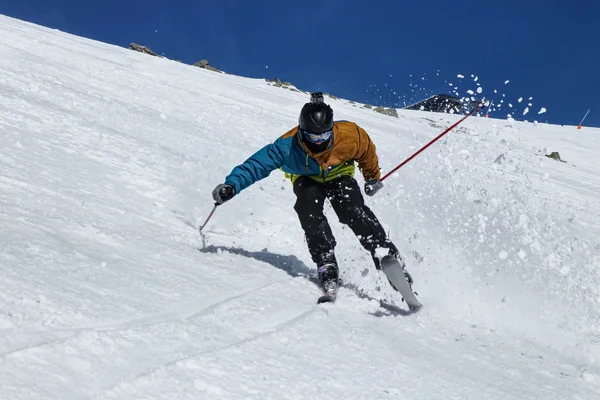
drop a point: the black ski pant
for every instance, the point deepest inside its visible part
(349, 205)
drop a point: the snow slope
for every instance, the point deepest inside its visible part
(108, 158)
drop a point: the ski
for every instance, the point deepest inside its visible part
(330, 289)
(326, 298)
(392, 268)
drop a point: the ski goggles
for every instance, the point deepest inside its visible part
(318, 137)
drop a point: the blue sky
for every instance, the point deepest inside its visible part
(383, 52)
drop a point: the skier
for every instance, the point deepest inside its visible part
(319, 157)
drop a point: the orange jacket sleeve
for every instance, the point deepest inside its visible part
(366, 156)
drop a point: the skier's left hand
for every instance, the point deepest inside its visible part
(372, 187)
(222, 193)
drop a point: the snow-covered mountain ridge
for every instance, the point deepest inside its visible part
(108, 158)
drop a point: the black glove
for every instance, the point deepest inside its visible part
(372, 187)
(222, 193)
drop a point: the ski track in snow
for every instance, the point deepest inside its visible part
(108, 159)
(182, 312)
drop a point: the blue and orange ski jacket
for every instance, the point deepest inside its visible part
(350, 143)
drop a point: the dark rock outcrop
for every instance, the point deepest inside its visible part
(142, 49)
(278, 83)
(205, 65)
(443, 103)
(284, 85)
(555, 156)
(387, 111)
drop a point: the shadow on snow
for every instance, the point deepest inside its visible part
(296, 268)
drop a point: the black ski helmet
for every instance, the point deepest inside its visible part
(316, 118)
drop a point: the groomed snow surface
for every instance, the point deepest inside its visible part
(108, 159)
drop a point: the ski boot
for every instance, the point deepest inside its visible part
(328, 278)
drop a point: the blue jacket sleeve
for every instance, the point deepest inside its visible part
(259, 165)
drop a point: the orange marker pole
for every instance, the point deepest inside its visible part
(581, 123)
(487, 114)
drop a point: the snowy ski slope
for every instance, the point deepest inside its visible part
(107, 161)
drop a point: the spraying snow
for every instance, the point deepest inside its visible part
(108, 160)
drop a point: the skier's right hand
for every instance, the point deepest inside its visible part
(222, 193)
(372, 187)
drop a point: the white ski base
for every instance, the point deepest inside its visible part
(394, 272)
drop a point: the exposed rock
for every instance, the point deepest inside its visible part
(331, 96)
(285, 85)
(205, 65)
(142, 49)
(368, 106)
(387, 111)
(442, 103)
(555, 156)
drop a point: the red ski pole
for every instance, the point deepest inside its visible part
(208, 219)
(204, 224)
(433, 141)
